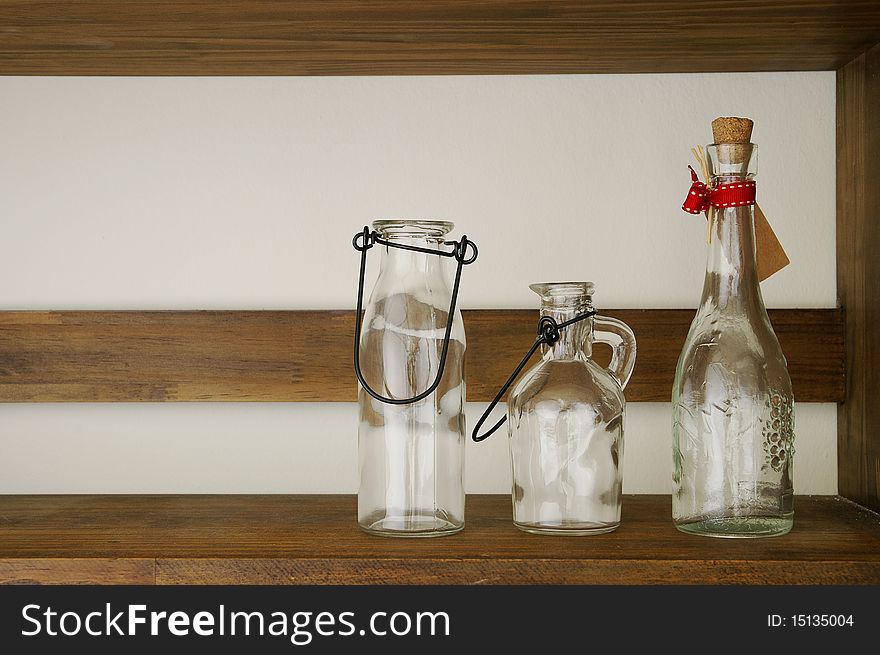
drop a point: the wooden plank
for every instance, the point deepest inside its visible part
(315, 540)
(306, 355)
(812, 341)
(858, 274)
(406, 37)
(549, 571)
(78, 571)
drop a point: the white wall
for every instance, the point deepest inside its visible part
(126, 193)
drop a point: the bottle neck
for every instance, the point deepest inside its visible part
(400, 262)
(574, 341)
(731, 274)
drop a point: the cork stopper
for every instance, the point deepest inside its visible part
(734, 135)
(730, 129)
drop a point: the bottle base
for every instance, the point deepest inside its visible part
(412, 526)
(739, 527)
(565, 529)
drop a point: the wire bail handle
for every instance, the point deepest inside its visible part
(548, 333)
(365, 240)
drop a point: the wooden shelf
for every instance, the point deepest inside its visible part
(410, 37)
(150, 356)
(315, 540)
(307, 355)
(858, 275)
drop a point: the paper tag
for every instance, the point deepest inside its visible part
(769, 253)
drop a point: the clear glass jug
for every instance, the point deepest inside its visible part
(565, 418)
(410, 363)
(733, 430)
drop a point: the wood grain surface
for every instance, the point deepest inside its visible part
(315, 540)
(307, 355)
(407, 37)
(858, 274)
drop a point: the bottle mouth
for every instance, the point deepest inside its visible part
(416, 227)
(564, 294)
(732, 160)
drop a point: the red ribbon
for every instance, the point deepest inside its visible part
(700, 197)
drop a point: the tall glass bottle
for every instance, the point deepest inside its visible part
(411, 455)
(733, 436)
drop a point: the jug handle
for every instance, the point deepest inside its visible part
(620, 337)
(548, 333)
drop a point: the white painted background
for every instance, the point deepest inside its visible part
(193, 193)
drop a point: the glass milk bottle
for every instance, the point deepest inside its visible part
(410, 362)
(733, 435)
(565, 420)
